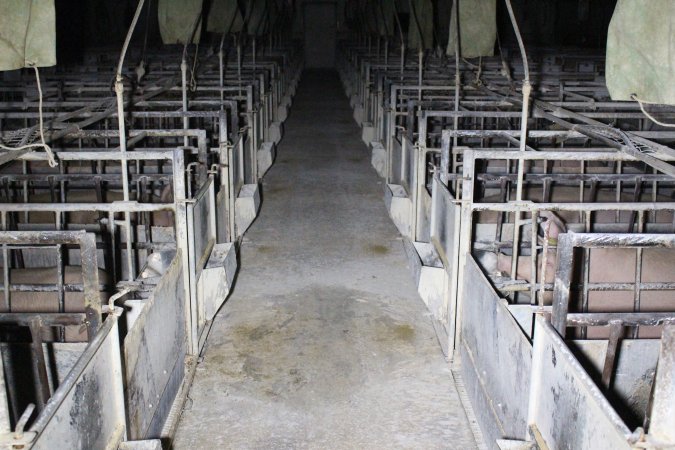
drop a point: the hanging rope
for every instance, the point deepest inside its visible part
(649, 116)
(43, 142)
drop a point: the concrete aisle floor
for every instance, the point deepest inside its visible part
(324, 342)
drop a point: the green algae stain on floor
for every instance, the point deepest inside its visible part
(404, 332)
(377, 249)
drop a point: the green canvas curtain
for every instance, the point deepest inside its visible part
(641, 51)
(385, 14)
(177, 19)
(421, 25)
(257, 10)
(225, 17)
(371, 16)
(477, 28)
(27, 33)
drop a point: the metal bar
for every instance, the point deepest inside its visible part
(42, 390)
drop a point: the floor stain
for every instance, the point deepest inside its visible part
(264, 249)
(275, 190)
(377, 249)
(404, 332)
(252, 334)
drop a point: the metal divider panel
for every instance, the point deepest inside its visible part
(87, 410)
(500, 357)
(153, 349)
(203, 235)
(444, 217)
(566, 406)
(409, 162)
(396, 161)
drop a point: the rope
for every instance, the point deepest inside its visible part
(649, 116)
(193, 80)
(42, 143)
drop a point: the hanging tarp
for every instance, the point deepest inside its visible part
(225, 17)
(477, 28)
(371, 16)
(27, 33)
(641, 51)
(421, 25)
(442, 10)
(177, 19)
(385, 15)
(257, 17)
(274, 15)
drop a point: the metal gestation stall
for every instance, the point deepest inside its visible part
(538, 335)
(157, 221)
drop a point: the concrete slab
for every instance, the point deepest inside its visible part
(368, 133)
(265, 157)
(379, 158)
(324, 341)
(246, 207)
(400, 207)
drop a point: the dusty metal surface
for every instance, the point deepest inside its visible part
(324, 342)
(662, 414)
(563, 393)
(154, 348)
(96, 380)
(493, 343)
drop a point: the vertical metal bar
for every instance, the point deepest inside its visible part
(114, 259)
(562, 284)
(662, 411)
(445, 158)
(60, 294)
(466, 225)
(420, 61)
(637, 293)
(41, 380)
(615, 331)
(533, 258)
(5, 266)
(182, 238)
(455, 120)
(186, 121)
(221, 74)
(90, 282)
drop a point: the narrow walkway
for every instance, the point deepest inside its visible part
(324, 342)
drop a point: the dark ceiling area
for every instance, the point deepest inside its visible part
(544, 23)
